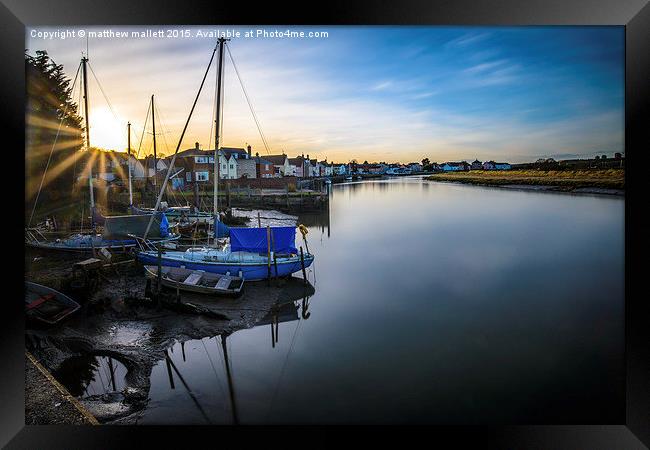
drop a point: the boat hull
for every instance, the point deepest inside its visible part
(249, 271)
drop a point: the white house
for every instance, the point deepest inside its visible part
(340, 169)
(281, 166)
(415, 167)
(227, 167)
(453, 166)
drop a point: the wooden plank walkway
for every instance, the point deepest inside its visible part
(47, 402)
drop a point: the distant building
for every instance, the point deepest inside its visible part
(454, 166)
(476, 165)
(491, 165)
(281, 166)
(263, 167)
(414, 167)
(340, 169)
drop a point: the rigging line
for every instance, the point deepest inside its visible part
(103, 93)
(180, 141)
(214, 107)
(74, 171)
(164, 129)
(250, 105)
(144, 129)
(277, 386)
(214, 369)
(49, 158)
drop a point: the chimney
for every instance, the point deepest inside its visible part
(257, 154)
(249, 151)
(196, 145)
(307, 155)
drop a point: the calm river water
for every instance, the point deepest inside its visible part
(437, 303)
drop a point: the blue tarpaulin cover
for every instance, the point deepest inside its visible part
(164, 226)
(223, 230)
(254, 240)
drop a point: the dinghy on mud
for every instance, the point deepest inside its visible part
(197, 281)
(45, 305)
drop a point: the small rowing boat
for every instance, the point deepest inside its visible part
(46, 305)
(196, 280)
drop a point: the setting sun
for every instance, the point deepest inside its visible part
(106, 131)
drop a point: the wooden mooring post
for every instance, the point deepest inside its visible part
(302, 264)
(159, 280)
(268, 254)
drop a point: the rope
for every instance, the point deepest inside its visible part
(49, 158)
(250, 105)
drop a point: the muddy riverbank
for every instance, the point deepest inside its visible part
(119, 322)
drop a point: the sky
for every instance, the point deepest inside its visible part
(390, 94)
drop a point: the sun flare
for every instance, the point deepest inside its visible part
(107, 131)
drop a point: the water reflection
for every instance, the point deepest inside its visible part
(223, 408)
(435, 303)
(88, 375)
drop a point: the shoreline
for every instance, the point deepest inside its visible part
(571, 183)
(595, 190)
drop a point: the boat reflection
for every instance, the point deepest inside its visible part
(291, 307)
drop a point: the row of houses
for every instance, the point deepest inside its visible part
(197, 165)
(475, 165)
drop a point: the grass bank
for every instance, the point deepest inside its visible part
(565, 180)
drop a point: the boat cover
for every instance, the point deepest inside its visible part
(164, 226)
(116, 227)
(223, 230)
(254, 240)
(98, 218)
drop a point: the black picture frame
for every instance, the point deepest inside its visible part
(633, 14)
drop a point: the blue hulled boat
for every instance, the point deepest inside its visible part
(247, 255)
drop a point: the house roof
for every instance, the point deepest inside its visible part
(193, 152)
(228, 151)
(278, 160)
(296, 161)
(260, 160)
(455, 164)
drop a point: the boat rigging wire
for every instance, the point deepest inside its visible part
(277, 386)
(250, 105)
(214, 369)
(49, 159)
(144, 127)
(180, 141)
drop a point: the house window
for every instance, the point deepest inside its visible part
(201, 159)
(188, 176)
(223, 167)
(211, 159)
(201, 176)
(232, 166)
(266, 166)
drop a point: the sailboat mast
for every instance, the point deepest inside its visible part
(217, 121)
(153, 124)
(128, 126)
(84, 61)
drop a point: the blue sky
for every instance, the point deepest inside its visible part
(375, 93)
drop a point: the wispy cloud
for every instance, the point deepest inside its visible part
(444, 93)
